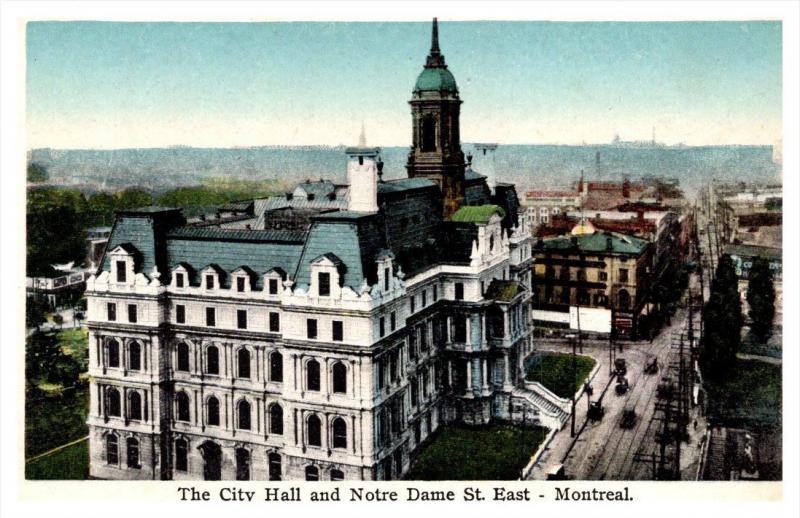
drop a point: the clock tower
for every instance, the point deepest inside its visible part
(435, 108)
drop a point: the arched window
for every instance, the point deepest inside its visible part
(314, 431)
(312, 473)
(336, 475)
(112, 449)
(274, 461)
(183, 357)
(132, 450)
(243, 415)
(242, 464)
(135, 406)
(428, 133)
(181, 455)
(112, 402)
(212, 360)
(339, 433)
(212, 411)
(276, 419)
(339, 378)
(182, 407)
(312, 375)
(276, 367)
(243, 361)
(112, 353)
(624, 299)
(134, 356)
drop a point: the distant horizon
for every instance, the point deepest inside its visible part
(135, 85)
(644, 145)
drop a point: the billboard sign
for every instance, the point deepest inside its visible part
(595, 320)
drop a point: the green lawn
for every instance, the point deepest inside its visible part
(749, 397)
(494, 452)
(55, 420)
(71, 463)
(554, 370)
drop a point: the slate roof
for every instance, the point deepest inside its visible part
(766, 252)
(404, 184)
(237, 234)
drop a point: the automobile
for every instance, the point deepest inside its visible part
(622, 385)
(665, 388)
(652, 367)
(555, 472)
(620, 366)
(596, 411)
(628, 419)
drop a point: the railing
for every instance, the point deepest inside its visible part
(51, 283)
(535, 386)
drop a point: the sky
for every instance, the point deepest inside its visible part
(107, 85)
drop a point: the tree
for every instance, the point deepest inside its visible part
(37, 172)
(133, 197)
(101, 208)
(722, 318)
(34, 313)
(761, 299)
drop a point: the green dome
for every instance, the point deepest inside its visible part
(436, 79)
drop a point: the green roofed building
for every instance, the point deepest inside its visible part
(320, 335)
(594, 269)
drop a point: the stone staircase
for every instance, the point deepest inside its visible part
(547, 406)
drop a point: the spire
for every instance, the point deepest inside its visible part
(435, 58)
(435, 37)
(362, 139)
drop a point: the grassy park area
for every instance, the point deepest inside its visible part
(494, 452)
(749, 397)
(554, 370)
(71, 463)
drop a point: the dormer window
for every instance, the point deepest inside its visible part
(240, 284)
(324, 286)
(179, 280)
(210, 282)
(121, 268)
(273, 286)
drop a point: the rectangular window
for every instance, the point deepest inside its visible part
(239, 284)
(241, 318)
(122, 271)
(324, 279)
(412, 303)
(209, 282)
(602, 276)
(180, 314)
(337, 331)
(424, 298)
(273, 286)
(382, 326)
(132, 313)
(459, 287)
(274, 322)
(435, 292)
(179, 280)
(211, 317)
(311, 328)
(381, 373)
(392, 321)
(623, 275)
(387, 277)
(112, 311)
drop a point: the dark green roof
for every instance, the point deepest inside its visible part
(479, 214)
(436, 79)
(503, 291)
(597, 242)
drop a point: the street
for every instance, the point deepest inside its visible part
(603, 450)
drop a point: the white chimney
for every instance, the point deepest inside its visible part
(362, 175)
(484, 163)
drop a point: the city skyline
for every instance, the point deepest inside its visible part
(108, 85)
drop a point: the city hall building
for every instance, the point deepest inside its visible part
(330, 335)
